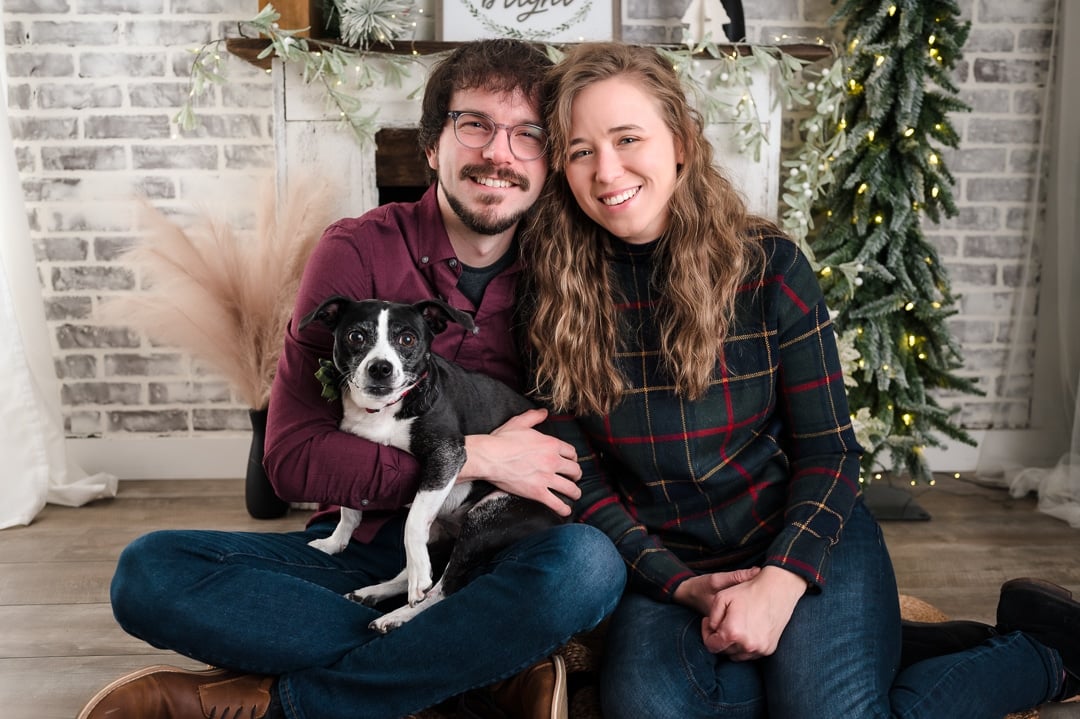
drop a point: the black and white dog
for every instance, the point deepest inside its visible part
(396, 391)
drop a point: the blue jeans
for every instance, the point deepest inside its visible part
(838, 657)
(269, 604)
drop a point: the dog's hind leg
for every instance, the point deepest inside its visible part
(393, 620)
(375, 593)
(494, 523)
(336, 542)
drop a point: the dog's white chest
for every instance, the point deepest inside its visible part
(381, 427)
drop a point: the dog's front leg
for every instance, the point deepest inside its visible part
(425, 508)
(336, 542)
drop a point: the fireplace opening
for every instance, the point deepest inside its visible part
(401, 170)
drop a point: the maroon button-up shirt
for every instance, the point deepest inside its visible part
(398, 252)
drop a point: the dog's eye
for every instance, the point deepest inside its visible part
(406, 339)
(354, 337)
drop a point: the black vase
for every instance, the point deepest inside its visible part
(262, 502)
(736, 29)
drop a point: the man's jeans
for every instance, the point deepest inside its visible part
(269, 604)
(838, 657)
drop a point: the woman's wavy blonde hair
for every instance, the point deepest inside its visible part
(709, 249)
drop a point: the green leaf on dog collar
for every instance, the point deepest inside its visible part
(330, 379)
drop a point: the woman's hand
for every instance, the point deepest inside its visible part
(521, 460)
(700, 592)
(747, 619)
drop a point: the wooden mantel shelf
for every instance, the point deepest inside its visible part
(249, 49)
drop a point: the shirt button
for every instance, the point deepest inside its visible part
(453, 263)
(424, 260)
(363, 503)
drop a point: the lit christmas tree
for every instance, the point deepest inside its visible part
(881, 276)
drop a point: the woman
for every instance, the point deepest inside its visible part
(688, 348)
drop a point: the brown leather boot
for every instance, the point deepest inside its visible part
(539, 692)
(165, 692)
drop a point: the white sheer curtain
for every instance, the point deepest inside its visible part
(1058, 487)
(34, 467)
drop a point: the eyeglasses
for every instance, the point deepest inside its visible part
(476, 131)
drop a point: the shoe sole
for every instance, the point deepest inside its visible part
(560, 707)
(139, 674)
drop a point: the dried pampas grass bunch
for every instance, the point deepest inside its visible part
(225, 296)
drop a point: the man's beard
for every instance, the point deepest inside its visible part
(486, 223)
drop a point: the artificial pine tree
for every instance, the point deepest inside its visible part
(879, 272)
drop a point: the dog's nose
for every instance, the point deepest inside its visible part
(380, 369)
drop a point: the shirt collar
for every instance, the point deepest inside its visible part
(430, 238)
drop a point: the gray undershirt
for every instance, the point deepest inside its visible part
(474, 280)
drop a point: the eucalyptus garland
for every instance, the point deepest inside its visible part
(343, 72)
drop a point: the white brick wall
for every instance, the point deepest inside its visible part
(1003, 78)
(94, 83)
(93, 87)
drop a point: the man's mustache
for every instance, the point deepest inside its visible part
(502, 173)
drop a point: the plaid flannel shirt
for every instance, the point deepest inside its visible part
(763, 470)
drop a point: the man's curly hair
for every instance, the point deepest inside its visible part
(500, 65)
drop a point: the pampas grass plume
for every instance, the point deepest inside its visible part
(224, 296)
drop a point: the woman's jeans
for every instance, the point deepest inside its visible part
(270, 604)
(838, 657)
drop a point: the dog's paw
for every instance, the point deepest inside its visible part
(363, 596)
(392, 620)
(415, 597)
(419, 584)
(328, 545)
(385, 624)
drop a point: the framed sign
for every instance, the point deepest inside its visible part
(538, 20)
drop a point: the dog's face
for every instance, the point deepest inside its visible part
(382, 349)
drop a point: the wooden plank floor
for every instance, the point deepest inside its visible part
(978, 538)
(59, 643)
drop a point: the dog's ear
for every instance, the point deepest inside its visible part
(329, 312)
(437, 314)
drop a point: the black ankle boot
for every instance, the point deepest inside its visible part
(925, 640)
(1048, 614)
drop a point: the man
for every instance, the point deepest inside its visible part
(267, 608)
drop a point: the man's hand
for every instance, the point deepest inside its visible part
(521, 460)
(747, 619)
